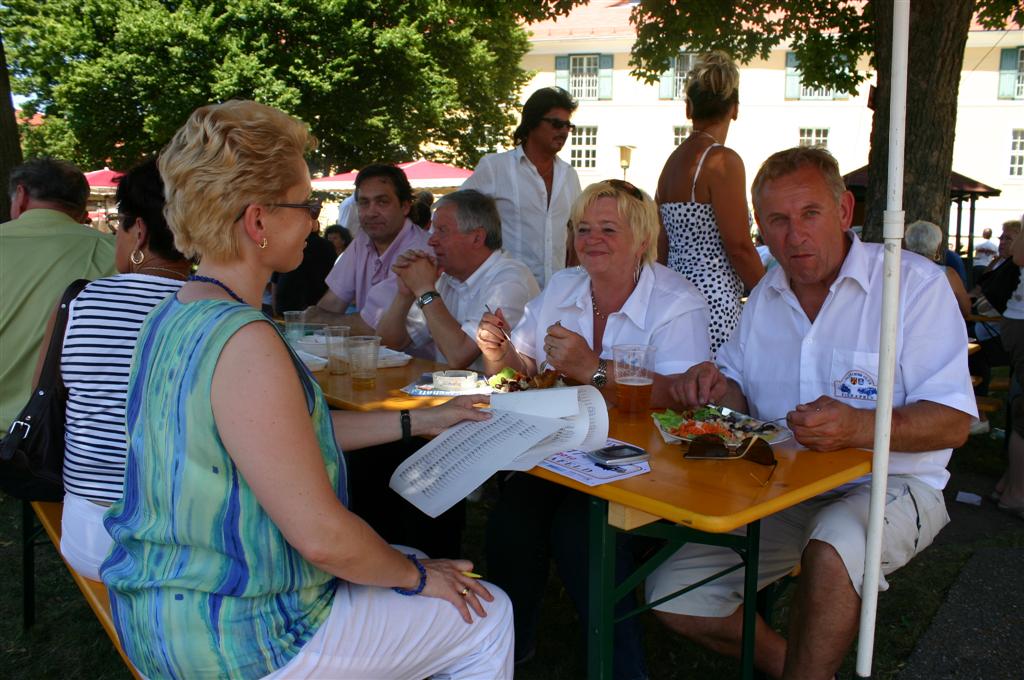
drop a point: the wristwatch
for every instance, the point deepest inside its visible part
(600, 377)
(428, 297)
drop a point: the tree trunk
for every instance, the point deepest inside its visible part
(10, 144)
(938, 36)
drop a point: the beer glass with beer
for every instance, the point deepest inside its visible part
(634, 377)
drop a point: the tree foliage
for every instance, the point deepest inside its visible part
(377, 80)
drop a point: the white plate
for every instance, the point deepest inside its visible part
(781, 435)
(313, 362)
(389, 358)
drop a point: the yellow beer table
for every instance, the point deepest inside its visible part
(703, 501)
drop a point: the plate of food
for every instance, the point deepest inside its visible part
(731, 425)
(511, 380)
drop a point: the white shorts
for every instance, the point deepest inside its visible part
(375, 633)
(914, 514)
(84, 541)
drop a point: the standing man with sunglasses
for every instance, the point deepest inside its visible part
(806, 348)
(533, 187)
(363, 275)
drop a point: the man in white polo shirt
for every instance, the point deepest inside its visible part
(807, 348)
(452, 290)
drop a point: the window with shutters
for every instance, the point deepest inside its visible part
(583, 143)
(1011, 73)
(1017, 153)
(583, 76)
(1018, 91)
(680, 133)
(673, 80)
(814, 137)
(795, 88)
(684, 62)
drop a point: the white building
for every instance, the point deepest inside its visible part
(588, 53)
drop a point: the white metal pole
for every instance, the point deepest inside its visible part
(893, 235)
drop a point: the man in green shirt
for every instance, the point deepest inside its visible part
(42, 250)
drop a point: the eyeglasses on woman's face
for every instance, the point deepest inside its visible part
(313, 207)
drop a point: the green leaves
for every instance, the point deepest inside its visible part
(377, 80)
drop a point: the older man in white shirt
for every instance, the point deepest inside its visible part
(807, 348)
(533, 187)
(468, 275)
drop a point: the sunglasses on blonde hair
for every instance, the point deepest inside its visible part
(713, 447)
(623, 185)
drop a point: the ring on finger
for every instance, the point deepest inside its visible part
(464, 592)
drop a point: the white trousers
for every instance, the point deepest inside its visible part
(914, 514)
(84, 542)
(376, 633)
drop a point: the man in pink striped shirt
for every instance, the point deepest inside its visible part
(362, 275)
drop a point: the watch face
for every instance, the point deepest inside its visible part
(599, 380)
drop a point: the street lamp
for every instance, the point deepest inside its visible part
(625, 155)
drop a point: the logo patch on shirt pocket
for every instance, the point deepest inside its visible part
(856, 384)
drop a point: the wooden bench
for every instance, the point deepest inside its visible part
(48, 516)
(989, 404)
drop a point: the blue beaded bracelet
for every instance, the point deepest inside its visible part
(423, 578)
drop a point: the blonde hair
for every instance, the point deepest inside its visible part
(223, 158)
(640, 214)
(713, 86)
(788, 161)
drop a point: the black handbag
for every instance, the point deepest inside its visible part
(32, 453)
(999, 284)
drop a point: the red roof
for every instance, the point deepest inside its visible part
(596, 19)
(36, 119)
(415, 170)
(105, 178)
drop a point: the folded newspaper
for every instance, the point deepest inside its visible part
(524, 429)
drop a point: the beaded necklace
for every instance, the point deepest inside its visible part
(210, 279)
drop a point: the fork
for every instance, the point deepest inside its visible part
(507, 336)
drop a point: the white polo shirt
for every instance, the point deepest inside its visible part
(533, 229)
(665, 310)
(500, 282)
(780, 359)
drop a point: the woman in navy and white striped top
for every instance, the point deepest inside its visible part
(103, 324)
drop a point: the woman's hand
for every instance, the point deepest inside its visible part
(569, 354)
(433, 421)
(492, 342)
(446, 581)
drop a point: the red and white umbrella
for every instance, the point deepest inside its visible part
(103, 181)
(422, 174)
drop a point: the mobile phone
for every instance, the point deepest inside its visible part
(619, 454)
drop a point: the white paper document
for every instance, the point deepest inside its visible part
(525, 428)
(581, 467)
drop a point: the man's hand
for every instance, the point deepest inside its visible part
(569, 354)
(417, 271)
(701, 384)
(829, 425)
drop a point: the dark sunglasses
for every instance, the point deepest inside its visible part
(623, 185)
(313, 207)
(558, 123)
(713, 447)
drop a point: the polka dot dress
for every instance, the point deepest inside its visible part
(695, 250)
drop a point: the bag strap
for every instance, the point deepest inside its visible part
(50, 376)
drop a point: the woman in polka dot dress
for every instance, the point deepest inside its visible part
(702, 197)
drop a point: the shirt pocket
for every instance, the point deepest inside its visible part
(853, 378)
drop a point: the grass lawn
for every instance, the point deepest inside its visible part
(68, 642)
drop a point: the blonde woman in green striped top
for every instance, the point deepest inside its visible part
(234, 553)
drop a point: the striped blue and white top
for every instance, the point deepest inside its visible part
(103, 326)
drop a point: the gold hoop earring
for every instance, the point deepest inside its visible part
(262, 244)
(138, 261)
